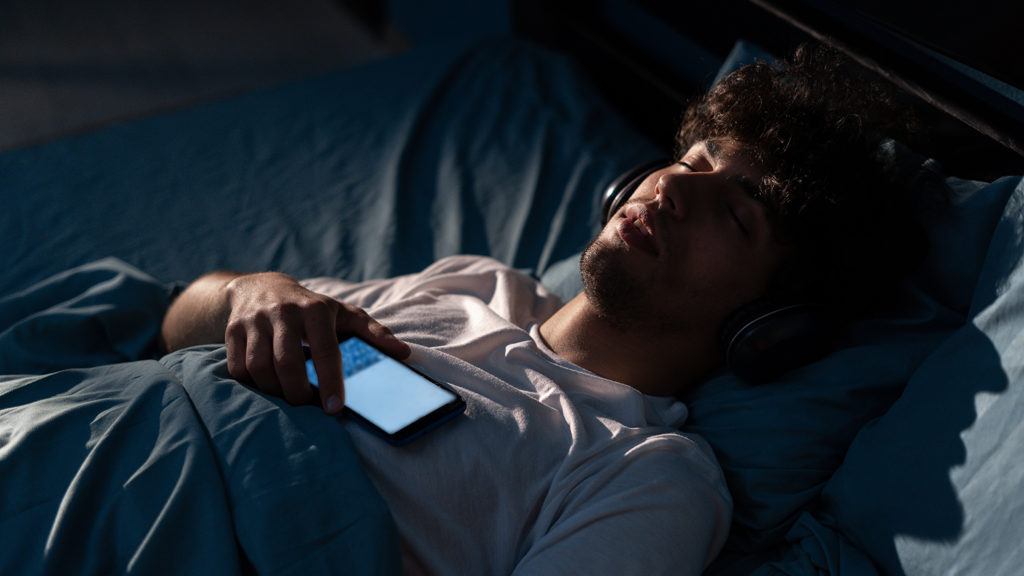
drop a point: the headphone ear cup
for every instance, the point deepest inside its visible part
(764, 340)
(621, 189)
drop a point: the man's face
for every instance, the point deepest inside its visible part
(691, 246)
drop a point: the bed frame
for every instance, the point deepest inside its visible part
(651, 57)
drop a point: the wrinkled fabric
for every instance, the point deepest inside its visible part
(163, 467)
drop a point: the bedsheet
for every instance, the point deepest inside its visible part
(163, 466)
(500, 149)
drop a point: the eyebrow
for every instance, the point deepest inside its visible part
(750, 188)
(713, 148)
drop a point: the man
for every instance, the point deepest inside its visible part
(568, 458)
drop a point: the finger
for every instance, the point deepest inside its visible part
(235, 345)
(259, 360)
(290, 366)
(326, 357)
(319, 321)
(352, 320)
(387, 341)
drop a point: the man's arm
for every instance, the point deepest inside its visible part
(263, 320)
(199, 314)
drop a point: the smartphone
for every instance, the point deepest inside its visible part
(392, 399)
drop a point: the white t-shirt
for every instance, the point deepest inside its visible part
(552, 469)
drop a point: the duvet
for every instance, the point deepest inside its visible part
(115, 461)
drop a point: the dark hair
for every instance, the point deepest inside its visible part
(817, 126)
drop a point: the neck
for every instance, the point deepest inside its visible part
(651, 361)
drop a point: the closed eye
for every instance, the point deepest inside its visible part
(748, 187)
(738, 220)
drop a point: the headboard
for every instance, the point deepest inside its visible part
(650, 57)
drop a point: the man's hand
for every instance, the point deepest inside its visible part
(264, 320)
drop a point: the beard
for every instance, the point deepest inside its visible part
(615, 294)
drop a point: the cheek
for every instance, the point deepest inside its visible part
(722, 280)
(646, 189)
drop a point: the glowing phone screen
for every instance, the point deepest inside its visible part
(384, 391)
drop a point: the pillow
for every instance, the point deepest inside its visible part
(934, 486)
(779, 443)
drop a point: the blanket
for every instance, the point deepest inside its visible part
(110, 464)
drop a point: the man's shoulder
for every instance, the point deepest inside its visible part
(482, 271)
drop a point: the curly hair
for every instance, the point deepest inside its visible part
(817, 125)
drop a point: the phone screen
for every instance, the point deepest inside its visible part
(395, 400)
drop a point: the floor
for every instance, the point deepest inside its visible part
(68, 67)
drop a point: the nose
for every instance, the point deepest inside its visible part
(682, 193)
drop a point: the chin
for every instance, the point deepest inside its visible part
(613, 291)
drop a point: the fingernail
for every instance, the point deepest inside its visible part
(333, 404)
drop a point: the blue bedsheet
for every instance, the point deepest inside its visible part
(501, 149)
(163, 466)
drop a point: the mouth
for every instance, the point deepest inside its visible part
(636, 228)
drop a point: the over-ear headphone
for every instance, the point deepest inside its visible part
(763, 339)
(619, 191)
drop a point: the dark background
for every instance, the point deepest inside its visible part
(71, 67)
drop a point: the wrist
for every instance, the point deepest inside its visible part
(198, 314)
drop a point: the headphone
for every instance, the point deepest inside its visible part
(763, 339)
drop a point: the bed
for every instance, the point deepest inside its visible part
(898, 453)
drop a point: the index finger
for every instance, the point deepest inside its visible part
(354, 321)
(326, 357)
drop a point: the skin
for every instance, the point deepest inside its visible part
(650, 312)
(692, 245)
(263, 319)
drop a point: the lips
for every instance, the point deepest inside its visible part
(636, 228)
